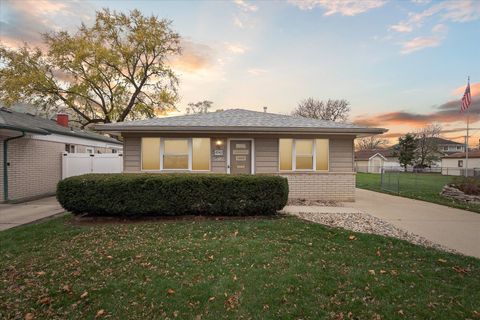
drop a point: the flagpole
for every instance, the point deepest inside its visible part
(466, 145)
(466, 138)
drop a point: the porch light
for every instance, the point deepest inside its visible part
(219, 142)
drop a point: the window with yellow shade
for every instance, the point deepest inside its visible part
(201, 154)
(304, 154)
(175, 154)
(150, 153)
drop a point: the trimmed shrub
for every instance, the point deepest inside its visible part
(172, 194)
(468, 185)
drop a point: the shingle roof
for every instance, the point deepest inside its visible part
(235, 119)
(445, 141)
(462, 155)
(18, 121)
(367, 154)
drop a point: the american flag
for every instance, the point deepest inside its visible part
(467, 98)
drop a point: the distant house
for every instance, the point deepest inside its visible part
(31, 149)
(455, 164)
(447, 147)
(373, 160)
(316, 156)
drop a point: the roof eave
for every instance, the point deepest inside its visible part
(24, 129)
(140, 129)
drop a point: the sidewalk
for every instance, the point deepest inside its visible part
(453, 228)
(12, 215)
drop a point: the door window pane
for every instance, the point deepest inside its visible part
(201, 154)
(175, 154)
(321, 153)
(285, 146)
(151, 153)
(304, 154)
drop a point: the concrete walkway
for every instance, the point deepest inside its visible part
(12, 215)
(453, 228)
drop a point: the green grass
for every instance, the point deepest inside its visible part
(236, 269)
(422, 186)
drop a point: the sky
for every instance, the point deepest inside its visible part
(401, 64)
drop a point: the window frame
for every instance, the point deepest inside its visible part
(314, 155)
(90, 150)
(189, 155)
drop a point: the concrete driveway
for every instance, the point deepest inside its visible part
(12, 215)
(453, 228)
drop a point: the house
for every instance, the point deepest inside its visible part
(373, 160)
(455, 164)
(316, 156)
(31, 149)
(447, 147)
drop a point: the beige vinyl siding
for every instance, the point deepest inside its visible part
(266, 155)
(131, 154)
(341, 155)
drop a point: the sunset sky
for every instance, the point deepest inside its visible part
(401, 64)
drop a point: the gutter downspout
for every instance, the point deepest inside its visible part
(5, 164)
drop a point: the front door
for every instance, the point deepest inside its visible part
(240, 156)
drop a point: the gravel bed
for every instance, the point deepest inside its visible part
(305, 202)
(365, 223)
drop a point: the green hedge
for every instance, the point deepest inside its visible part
(172, 194)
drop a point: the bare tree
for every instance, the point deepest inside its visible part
(199, 107)
(427, 145)
(373, 142)
(333, 110)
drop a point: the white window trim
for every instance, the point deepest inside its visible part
(190, 155)
(90, 148)
(252, 153)
(294, 156)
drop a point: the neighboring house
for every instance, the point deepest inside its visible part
(447, 147)
(316, 156)
(31, 149)
(373, 160)
(455, 164)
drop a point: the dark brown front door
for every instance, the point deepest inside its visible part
(240, 156)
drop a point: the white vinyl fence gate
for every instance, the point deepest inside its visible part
(74, 164)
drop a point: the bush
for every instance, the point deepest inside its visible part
(468, 185)
(172, 194)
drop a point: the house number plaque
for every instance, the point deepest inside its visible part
(241, 158)
(240, 151)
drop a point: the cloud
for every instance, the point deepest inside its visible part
(474, 90)
(257, 71)
(245, 6)
(401, 27)
(25, 21)
(236, 48)
(420, 43)
(452, 10)
(343, 7)
(447, 112)
(194, 57)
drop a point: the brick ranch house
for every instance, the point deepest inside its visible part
(316, 156)
(31, 149)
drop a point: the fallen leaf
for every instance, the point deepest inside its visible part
(40, 273)
(234, 277)
(84, 295)
(29, 316)
(266, 307)
(394, 272)
(235, 233)
(67, 288)
(109, 257)
(383, 271)
(400, 312)
(100, 313)
(460, 270)
(352, 237)
(170, 291)
(442, 260)
(175, 313)
(45, 300)
(371, 272)
(210, 257)
(378, 253)
(211, 299)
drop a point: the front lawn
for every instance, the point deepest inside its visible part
(421, 186)
(237, 269)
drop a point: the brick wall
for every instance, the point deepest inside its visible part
(35, 167)
(321, 186)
